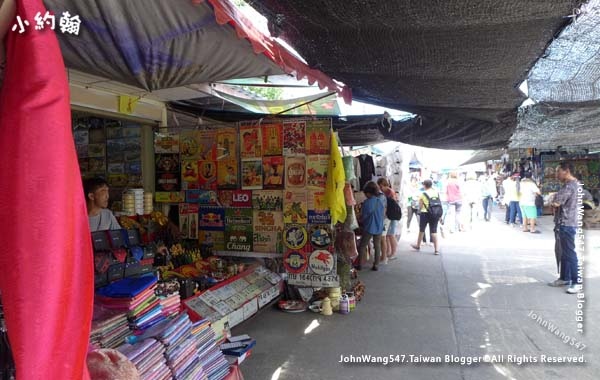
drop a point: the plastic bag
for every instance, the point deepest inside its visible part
(351, 223)
(348, 162)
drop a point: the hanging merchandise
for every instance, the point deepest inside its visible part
(272, 140)
(367, 170)
(348, 162)
(317, 136)
(295, 172)
(334, 191)
(294, 136)
(273, 172)
(252, 174)
(251, 142)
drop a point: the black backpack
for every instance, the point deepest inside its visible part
(393, 210)
(435, 206)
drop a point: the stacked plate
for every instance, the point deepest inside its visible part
(148, 203)
(138, 195)
(129, 204)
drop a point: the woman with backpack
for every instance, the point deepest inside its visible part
(372, 215)
(431, 212)
(392, 218)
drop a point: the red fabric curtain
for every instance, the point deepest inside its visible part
(46, 254)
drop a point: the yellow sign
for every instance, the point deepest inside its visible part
(127, 104)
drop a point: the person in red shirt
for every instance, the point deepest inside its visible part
(454, 199)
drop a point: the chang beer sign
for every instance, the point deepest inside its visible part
(239, 238)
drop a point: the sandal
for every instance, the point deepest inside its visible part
(437, 253)
(415, 247)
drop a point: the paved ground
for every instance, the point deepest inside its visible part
(479, 297)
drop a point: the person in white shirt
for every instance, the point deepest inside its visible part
(96, 197)
(527, 203)
(489, 192)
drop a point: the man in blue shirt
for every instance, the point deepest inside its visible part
(372, 215)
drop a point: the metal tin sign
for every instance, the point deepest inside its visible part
(321, 262)
(295, 261)
(320, 235)
(295, 236)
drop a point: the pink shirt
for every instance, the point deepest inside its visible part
(453, 192)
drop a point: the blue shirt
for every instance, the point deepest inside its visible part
(372, 214)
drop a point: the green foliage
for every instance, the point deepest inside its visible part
(268, 93)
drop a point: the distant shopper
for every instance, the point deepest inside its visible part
(529, 191)
(454, 199)
(372, 215)
(472, 196)
(566, 202)
(96, 197)
(489, 191)
(392, 230)
(511, 199)
(428, 215)
(413, 202)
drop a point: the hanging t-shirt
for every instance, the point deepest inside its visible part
(367, 169)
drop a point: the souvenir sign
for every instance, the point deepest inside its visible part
(273, 172)
(272, 135)
(295, 206)
(295, 236)
(267, 200)
(227, 174)
(214, 239)
(238, 216)
(166, 143)
(167, 163)
(167, 182)
(295, 172)
(252, 174)
(317, 136)
(211, 218)
(250, 142)
(188, 144)
(207, 174)
(226, 144)
(320, 235)
(169, 197)
(294, 137)
(316, 172)
(295, 261)
(267, 242)
(321, 262)
(267, 221)
(189, 174)
(238, 238)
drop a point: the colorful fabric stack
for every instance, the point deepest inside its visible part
(170, 304)
(148, 356)
(181, 353)
(136, 297)
(212, 359)
(109, 328)
(170, 301)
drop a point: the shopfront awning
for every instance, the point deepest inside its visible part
(458, 64)
(154, 44)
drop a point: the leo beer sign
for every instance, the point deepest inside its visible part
(241, 198)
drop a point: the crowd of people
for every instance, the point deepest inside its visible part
(464, 200)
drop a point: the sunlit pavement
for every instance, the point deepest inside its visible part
(480, 297)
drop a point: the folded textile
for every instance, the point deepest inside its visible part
(128, 287)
